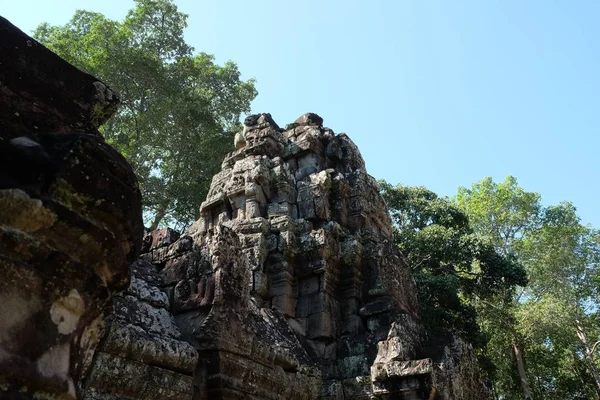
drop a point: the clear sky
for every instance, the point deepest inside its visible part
(434, 93)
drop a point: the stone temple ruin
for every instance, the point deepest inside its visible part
(287, 287)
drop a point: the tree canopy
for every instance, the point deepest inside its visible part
(552, 323)
(517, 279)
(452, 266)
(178, 108)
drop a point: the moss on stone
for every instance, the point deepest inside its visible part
(22, 212)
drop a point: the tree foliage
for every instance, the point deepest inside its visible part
(470, 258)
(177, 106)
(451, 265)
(554, 320)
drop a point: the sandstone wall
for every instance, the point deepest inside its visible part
(70, 219)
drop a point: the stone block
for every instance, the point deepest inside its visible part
(280, 289)
(160, 255)
(125, 378)
(379, 326)
(279, 209)
(318, 302)
(285, 304)
(254, 209)
(322, 210)
(351, 306)
(181, 245)
(146, 271)
(271, 242)
(132, 342)
(286, 192)
(330, 352)
(320, 326)
(176, 269)
(260, 283)
(283, 242)
(306, 209)
(310, 119)
(309, 285)
(190, 323)
(298, 325)
(309, 142)
(377, 306)
(316, 348)
(157, 321)
(253, 225)
(304, 244)
(163, 237)
(255, 240)
(304, 192)
(397, 347)
(320, 237)
(396, 369)
(333, 151)
(150, 294)
(303, 309)
(352, 325)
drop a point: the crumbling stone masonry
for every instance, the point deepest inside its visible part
(289, 285)
(70, 219)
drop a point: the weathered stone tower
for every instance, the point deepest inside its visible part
(290, 276)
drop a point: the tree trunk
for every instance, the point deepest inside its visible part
(589, 356)
(522, 375)
(160, 214)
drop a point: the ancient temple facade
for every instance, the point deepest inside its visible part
(288, 286)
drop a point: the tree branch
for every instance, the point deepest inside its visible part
(594, 347)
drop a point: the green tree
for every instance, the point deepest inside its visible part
(560, 308)
(177, 108)
(502, 214)
(452, 266)
(549, 325)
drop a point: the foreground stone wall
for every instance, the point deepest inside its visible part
(70, 219)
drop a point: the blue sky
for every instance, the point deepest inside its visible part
(434, 93)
